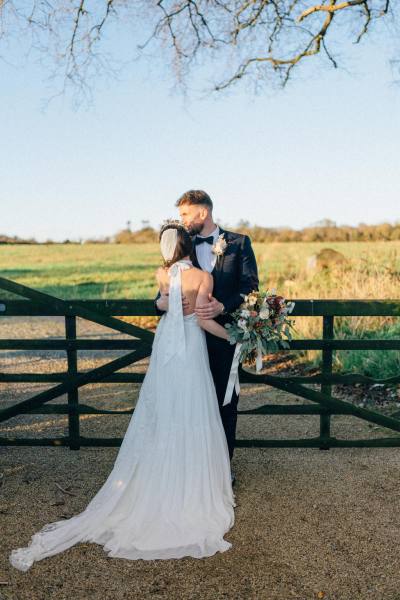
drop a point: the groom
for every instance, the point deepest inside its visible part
(234, 270)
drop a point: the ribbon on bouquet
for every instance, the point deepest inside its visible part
(259, 355)
(233, 380)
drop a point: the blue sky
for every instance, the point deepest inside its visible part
(327, 146)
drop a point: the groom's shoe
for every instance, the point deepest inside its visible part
(233, 479)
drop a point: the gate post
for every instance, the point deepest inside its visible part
(326, 388)
(73, 395)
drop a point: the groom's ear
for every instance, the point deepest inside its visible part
(203, 212)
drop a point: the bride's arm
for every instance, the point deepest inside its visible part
(161, 300)
(209, 325)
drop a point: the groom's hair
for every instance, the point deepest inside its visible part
(195, 197)
(184, 244)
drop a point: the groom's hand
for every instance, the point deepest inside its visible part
(210, 310)
(162, 302)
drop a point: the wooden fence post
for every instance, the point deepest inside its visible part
(73, 395)
(326, 388)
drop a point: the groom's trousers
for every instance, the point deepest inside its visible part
(220, 355)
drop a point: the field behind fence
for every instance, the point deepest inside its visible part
(111, 271)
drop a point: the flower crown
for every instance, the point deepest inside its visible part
(174, 222)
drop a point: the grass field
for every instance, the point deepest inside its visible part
(127, 271)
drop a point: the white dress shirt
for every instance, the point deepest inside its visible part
(205, 256)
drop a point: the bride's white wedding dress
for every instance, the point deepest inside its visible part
(169, 493)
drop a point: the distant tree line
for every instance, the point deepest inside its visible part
(323, 231)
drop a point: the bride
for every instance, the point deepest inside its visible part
(169, 493)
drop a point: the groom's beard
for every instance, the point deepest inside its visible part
(195, 229)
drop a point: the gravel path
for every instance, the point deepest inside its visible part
(309, 524)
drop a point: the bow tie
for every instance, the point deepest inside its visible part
(199, 240)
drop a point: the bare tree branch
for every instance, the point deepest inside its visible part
(331, 8)
(254, 39)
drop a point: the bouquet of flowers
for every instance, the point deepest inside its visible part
(260, 326)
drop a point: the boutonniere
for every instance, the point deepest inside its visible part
(220, 245)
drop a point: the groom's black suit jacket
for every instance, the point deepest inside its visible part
(235, 273)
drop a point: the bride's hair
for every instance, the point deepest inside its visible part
(184, 244)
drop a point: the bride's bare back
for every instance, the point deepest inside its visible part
(194, 281)
(196, 286)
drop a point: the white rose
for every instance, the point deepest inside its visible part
(244, 313)
(264, 313)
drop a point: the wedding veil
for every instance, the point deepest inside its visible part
(174, 325)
